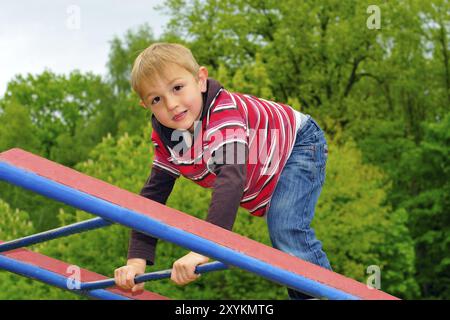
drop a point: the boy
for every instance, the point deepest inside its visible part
(261, 155)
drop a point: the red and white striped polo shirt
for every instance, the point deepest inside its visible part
(267, 128)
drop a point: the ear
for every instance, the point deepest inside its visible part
(203, 78)
(142, 104)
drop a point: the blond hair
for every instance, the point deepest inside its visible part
(153, 62)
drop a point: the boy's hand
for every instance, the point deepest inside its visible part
(124, 276)
(183, 269)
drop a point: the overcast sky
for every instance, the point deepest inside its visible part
(63, 35)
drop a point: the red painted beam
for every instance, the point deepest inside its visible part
(61, 268)
(180, 220)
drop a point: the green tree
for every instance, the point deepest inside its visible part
(358, 228)
(58, 117)
(122, 54)
(17, 130)
(64, 110)
(427, 168)
(15, 224)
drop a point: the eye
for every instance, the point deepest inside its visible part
(178, 88)
(155, 100)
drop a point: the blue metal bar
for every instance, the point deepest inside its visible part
(153, 227)
(55, 233)
(163, 274)
(49, 277)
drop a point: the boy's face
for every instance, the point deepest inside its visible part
(176, 101)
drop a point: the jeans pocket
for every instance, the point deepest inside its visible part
(304, 159)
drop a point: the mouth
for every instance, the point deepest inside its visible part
(179, 116)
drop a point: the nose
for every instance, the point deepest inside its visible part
(172, 103)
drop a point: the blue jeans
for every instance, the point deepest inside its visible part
(291, 208)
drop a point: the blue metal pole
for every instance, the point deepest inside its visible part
(52, 278)
(149, 226)
(163, 274)
(55, 233)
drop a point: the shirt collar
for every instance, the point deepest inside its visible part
(212, 89)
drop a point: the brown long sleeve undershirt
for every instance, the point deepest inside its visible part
(227, 193)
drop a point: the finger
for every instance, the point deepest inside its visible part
(116, 278)
(123, 279)
(119, 279)
(138, 287)
(174, 274)
(190, 273)
(130, 279)
(179, 275)
(185, 275)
